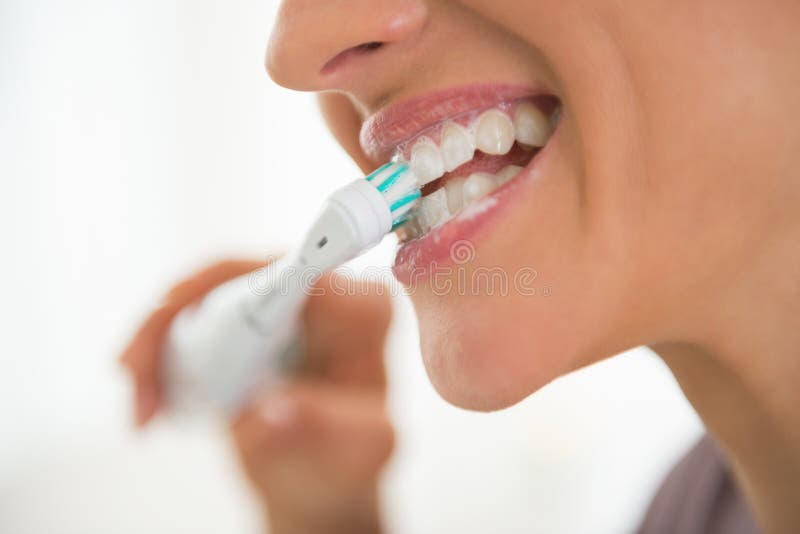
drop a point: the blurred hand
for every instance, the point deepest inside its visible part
(314, 449)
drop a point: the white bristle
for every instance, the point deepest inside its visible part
(398, 213)
(382, 174)
(404, 185)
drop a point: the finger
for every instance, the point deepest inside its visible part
(337, 432)
(139, 356)
(346, 330)
(265, 424)
(147, 400)
(142, 355)
(204, 281)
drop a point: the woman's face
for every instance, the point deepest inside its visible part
(660, 181)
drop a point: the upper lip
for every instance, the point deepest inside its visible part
(390, 126)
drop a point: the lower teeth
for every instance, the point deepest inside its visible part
(451, 199)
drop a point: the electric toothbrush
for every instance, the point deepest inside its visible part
(246, 332)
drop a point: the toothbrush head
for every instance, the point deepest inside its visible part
(357, 216)
(400, 189)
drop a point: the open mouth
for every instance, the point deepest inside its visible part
(466, 157)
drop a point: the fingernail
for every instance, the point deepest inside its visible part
(278, 411)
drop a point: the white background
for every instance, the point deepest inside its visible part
(139, 140)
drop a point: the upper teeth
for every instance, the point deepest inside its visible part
(457, 146)
(493, 132)
(531, 126)
(426, 161)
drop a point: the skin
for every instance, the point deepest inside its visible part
(669, 217)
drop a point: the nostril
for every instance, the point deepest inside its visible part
(368, 47)
(351, 53)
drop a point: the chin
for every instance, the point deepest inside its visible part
(479, 358)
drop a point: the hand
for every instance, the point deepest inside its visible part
(314, 449)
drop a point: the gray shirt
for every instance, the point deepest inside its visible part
(700, 496)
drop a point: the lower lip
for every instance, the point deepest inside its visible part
(454, 242)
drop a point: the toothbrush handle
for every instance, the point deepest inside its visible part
(238, 338)
(217, 352)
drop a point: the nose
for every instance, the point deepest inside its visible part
(318, 45)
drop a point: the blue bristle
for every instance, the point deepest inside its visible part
(377, 171)
(410, 197)
(397, 223)
(393, 178)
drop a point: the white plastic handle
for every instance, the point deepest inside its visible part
(215, 354)
(240, 334)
